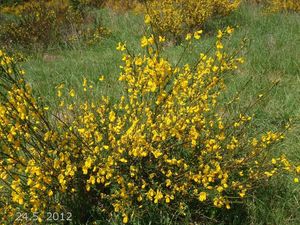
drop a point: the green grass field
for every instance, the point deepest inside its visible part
(273, 54)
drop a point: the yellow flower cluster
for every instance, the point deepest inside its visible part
(164, 142)
(178, 17)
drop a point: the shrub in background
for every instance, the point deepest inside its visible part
(46, 23)
(176, 18)
(124, 5)
(10, 2)
(279, 5)
(80, 4)
(284, 5)
(168, 144)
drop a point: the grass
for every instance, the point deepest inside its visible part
(273, 54)
(70, 66)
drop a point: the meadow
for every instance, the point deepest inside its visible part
(272, 69)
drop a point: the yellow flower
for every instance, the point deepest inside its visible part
(158, 196)
(220, 34)
(161, 39)
(202, 196)
(92, 180)
(59, 94)
(188, 37)
(227, 205)
(298, 169)
(168, 182)
(139, 62)
(121, 47)
(88, 162)
(229, 30)
(219, 45)
(242, 193)
(61, 178)
(101, 78)
(167, 197)
(147, 19)
(112, 116)
(152, 86)
(72, 93)
(197, 34)
(157, 153)
(125, 219)
(50, 193)
(144, 41)
(268, 174)
(88, 187)
(140, 198)
(123, 160)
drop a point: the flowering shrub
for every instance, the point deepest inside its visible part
(280, 5)
(123, 5)
(79, 4)
(286, 5)
(178, 17)
(167, 143)
(44, 23)
(10, 2)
